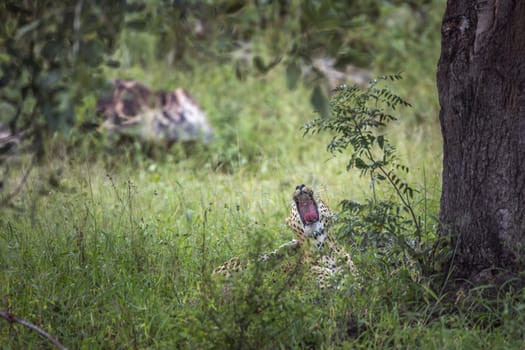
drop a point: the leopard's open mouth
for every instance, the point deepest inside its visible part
(307, 208)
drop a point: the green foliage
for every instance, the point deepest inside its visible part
(50, 55)
(255, 37)
(358, 121)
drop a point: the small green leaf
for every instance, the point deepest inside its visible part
(319, 101)
(259, 64)
(92, 52)
(136, 24)
(51, 49)
(50, 79)
(113, 63)
(239, 72)
(293, 73)
(234, 6)
(4, 79)
(360, 164)
(381, 141)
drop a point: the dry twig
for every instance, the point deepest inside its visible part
(13, 319)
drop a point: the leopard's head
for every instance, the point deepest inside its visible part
(308, 211)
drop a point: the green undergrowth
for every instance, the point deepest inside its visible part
(108, 247)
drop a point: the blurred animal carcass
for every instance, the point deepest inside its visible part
(132, 109)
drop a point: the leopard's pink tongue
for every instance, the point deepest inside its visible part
(308, 211)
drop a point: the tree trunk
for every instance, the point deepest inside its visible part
(481, 84)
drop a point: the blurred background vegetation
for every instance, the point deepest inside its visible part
(56, 58)
(109, 243)
(258, 68)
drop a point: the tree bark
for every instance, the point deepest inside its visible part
(481, 85)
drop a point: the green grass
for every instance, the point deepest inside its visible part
(120, 254)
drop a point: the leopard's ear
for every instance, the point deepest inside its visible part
(324, 208)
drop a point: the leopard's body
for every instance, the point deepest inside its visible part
(309, 219)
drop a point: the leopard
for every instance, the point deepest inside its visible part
(310, 220)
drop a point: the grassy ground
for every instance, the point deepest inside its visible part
(120, 254)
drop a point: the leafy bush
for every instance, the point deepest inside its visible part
(358, 121)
